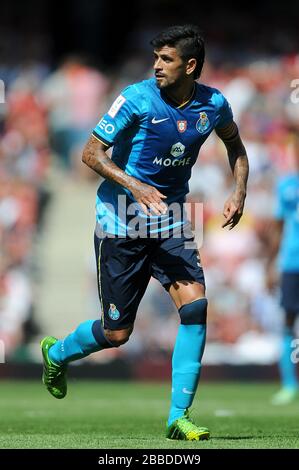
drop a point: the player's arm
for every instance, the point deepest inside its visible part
(233, 208)
(275, 233)
(274, 240)
(95, 157)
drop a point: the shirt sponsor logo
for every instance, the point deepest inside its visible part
(182, 126)
(106, 126)
(202, 123)
(172, 161)
(177, 150)
(116, 105)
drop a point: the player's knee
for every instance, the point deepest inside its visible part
(290, 319)
(194, 313)
(118, 337)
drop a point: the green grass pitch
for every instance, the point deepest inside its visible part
(132, 415)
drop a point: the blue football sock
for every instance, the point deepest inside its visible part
(287, 368)
(186, 367)
(87, 338)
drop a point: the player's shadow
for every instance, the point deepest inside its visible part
(233, 438)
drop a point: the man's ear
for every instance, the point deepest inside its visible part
(191, 66)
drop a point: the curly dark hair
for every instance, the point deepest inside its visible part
(187, 39)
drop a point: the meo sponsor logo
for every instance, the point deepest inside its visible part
(106, 126)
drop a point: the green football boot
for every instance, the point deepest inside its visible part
(54, 375)
(185, 430)
(284, 396)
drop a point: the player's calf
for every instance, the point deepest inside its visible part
(186, 360)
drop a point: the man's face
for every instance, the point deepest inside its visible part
(169, 67)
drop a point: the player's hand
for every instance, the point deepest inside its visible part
(233, 209)
(272, 278)
(149, 198)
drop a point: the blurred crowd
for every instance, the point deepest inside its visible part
(47, 117)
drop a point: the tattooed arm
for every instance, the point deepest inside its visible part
(94, 156)
(233, 208)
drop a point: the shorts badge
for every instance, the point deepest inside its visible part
(113, 312)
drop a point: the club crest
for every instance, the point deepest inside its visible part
(113, 312)
(182, 126)
(202, 123)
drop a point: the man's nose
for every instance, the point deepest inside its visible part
(157, 64)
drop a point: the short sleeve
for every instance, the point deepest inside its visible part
(225, 113)
(122, 113)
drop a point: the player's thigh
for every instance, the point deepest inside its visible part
(176, 264)
(123, 273)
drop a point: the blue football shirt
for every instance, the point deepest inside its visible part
(156, 142)
(287, 209)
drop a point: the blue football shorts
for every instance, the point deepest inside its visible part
(290, 292)
(125, 266)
